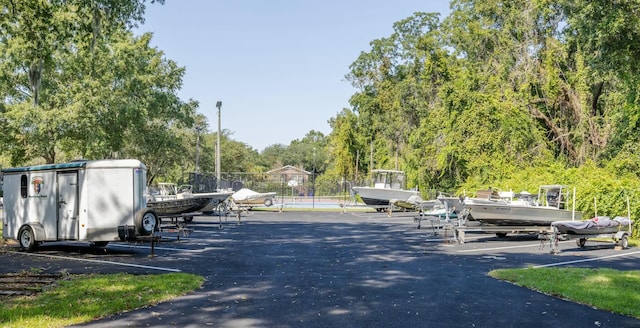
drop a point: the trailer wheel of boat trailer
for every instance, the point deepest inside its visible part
(95, 201)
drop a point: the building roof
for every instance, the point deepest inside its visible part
(288, 168)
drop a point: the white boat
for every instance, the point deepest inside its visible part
(455, 204)
(249, 198)
(552, 204)
(387, 189)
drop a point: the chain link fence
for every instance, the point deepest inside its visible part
(320, 187)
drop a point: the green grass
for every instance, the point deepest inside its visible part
(605, 289)
(634, 242)
(84, 298)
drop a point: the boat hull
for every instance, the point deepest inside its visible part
(189, 203)
(382, 197)
(512, 215)
(215, 199)
(170, 207)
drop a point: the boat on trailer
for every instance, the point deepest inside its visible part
(170, 200)
(601, 228)
(387, 190)
(248, 198)
(551, 204)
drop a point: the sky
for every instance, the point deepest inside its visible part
(277, 66)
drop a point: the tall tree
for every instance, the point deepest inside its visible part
(396, 87)
(604, 36)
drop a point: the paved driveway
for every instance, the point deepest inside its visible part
(326, 269)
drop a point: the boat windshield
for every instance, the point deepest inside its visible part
(167, 189)
(554, 196)
(388, 179)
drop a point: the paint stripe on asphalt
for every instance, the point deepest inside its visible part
(497, 248)
(101, 262)
(156, 247)
(584, 260)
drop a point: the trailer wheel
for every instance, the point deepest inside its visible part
(624, 242)
(27, 238)
(146, 221)
(268, 202)
(187, 219)
(99, 243)
(581, 242)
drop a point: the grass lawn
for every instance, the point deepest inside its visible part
(83, 298)
(77, 299)
(605, 289)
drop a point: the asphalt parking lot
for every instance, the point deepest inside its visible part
(332, 269)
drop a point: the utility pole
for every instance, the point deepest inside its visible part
(198, 129)
(219, 105)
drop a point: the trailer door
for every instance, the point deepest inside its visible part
(68, 205)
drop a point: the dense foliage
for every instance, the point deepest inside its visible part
(508, 94)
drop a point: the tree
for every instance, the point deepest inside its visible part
(80, 91)
(344, 144)
(272, 156)
(34, 31)
(605, 37)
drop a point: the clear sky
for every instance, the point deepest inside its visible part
(278, 66)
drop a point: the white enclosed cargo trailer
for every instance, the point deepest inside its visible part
(95, 201)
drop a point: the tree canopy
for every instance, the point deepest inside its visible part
(496, 93)
(493, 88)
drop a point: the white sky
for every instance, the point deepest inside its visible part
(278, 66)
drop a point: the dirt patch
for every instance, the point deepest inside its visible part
(26, 283)
(7, 244)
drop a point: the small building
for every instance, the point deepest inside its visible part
(296, 178)
(290, 173)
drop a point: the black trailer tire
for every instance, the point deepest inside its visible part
(581, 242)
(99, 243)
(268, 202)
(27, 238)
(187, 219)
(146, 222)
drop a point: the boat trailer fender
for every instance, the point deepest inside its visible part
(621, 234)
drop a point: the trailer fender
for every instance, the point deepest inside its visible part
(38, 230)
(622, 239)
(621, 234)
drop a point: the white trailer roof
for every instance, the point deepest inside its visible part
(105, 163)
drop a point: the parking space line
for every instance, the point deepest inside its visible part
(496, 248)
(156, 247)
(101, 262)
(584, 260)
(508, 247)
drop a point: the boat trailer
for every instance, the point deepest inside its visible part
(619, 238)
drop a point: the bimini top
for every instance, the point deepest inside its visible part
(80, 164)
